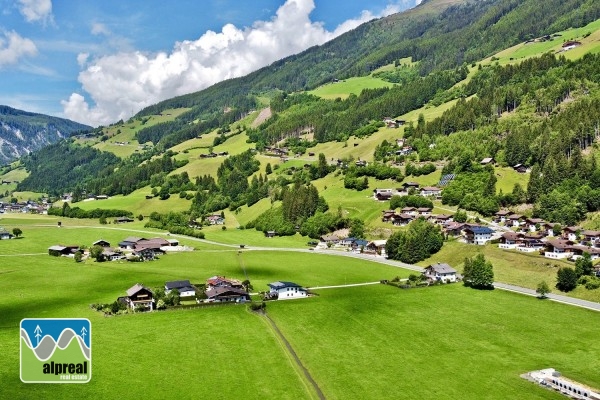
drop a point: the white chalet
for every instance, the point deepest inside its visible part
(440, 272)
(286, 290)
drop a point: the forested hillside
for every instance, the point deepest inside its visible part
(540, 112)
(22, 132)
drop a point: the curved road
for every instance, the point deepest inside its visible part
(590, 305)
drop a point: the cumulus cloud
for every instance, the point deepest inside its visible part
(13, 47)
(123, 83)
(36, 10)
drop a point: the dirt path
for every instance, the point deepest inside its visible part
(293, 354)
(264, 115)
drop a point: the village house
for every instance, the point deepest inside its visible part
(515, 220)
(409, 211)
(139, 295)
(571, 233)
(226, 295)
(432, 191)
(184, 287)
(221, 281)
(453, 228)
(5, 235)
(101, 243)
(488, 161)
(282, 290)
(533, 224)
(113, 254)
(383, 194)
(591, 238)
(510, 240)
(440, 272)
(330, 238)
(559, 249)
(579, 250)
(479, 235)
(376, 247)
(67, 251)
(520, 168)
(387, 215)
(402, 219)
(130, 242)
(358, 245)
(442, 219)
(424, 211)
(407, 186)
(215, 219)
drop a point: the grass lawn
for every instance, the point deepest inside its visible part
(446, 342)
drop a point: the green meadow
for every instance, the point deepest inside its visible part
(346, 87)
(445, 342)
(364, 342)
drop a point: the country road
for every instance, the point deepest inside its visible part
(590, 305)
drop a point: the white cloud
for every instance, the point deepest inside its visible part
(99, 29)
(36, 10)
(82, 58)
(123, 83)
(13, 47)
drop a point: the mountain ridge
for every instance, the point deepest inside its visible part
(22, 132)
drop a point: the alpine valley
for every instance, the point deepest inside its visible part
(387, 177)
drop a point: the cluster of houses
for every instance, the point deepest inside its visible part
(277, 151)
(537, 235)
(30, 206)
(339, 240)
(131, 248)
(218, 289)
(393, 123)
(213, 154)
(407, 187)
(468, 232)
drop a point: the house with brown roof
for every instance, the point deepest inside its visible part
(533, 224)
(571, 233)
(591, 238)
(501, 216)
(226, 294)
(454, 228)
(424, 211)
(578, 251)
(140, 295)
(409, 210)
(430, 191)
(441, 219)
(559, 249)
(402, 219)
(510, 240)
(515, 220)
(221, 281)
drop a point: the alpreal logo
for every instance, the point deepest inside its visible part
(56, 350)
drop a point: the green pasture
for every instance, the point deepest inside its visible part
(345, 87)
(137, 203)
(445, 342)
(511, 266)
(508, 177)
(522, 51)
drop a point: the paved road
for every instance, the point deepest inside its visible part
(590, 305)
(499, 285)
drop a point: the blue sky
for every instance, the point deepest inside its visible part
(99, 61)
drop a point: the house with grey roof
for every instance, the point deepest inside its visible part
(440, 272)
(185, 288)
(140, 295)
(283, 290)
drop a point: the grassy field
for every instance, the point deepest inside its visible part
(508, 177)
(137, 203)
(411, 335)
(518, 268)
(446, 342)
(522, 51)
(344, 88)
